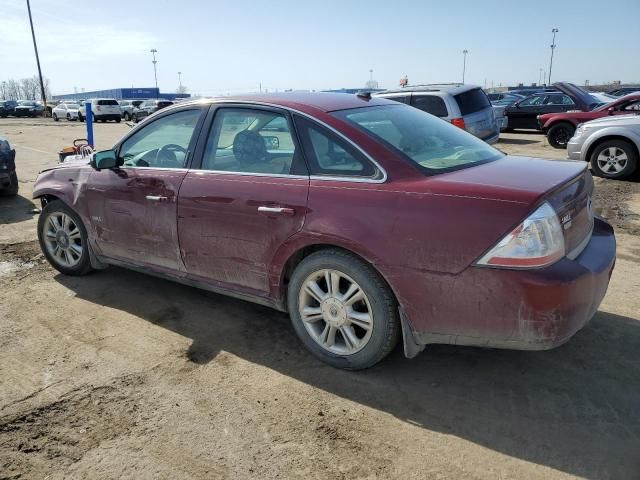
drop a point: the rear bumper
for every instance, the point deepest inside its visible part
(110, 116)
(493, 138)
(523, 310)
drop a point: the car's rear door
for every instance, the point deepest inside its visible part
(133, 207)
(243, 199)
(524, 113)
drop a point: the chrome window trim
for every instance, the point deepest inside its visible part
(202, 171)
(329, 127)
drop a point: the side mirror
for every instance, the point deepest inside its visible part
(104, 159)
(611, 110)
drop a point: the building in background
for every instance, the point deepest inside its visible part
(122, 94)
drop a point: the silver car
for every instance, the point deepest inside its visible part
(611, 144)
(465, 106)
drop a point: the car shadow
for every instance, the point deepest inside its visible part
(15, 209)
(516, 141)
(574, 409)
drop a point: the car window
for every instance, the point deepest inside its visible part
(162, 143)
(533, 100)
(329, 155)
(427, 142)
(250, 141)
(633, 106)
(472, 101)
(430, 104)
(558, 100)
(107, 102)
(399, 98)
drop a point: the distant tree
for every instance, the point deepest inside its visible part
(3, 89)
(24, 89)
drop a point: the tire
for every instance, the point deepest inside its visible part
(55, 118)
(80, 118)
(559, 134)
(378, 306)
(58, 210)
(68, 117)
(14, 186)
(126, 116)
(617, 159)
(118, 120)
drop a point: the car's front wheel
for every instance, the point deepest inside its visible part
(63, 239)
(616, 159)
(55, 117)
(559, 134)
(126, 116)
(342, 310)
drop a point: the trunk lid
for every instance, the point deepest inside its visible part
(566, 185)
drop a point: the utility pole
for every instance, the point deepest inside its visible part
(464, 63)
(155, 71)
(35, 47)
(553, 47)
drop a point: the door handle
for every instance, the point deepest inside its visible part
(281, 210)
(156, 198)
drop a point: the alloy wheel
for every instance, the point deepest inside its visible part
(612, 160)
(63, 239)
(335, 312)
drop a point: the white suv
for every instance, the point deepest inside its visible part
(465, 106)
(103, 109)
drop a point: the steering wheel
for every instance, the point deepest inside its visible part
(166, 156)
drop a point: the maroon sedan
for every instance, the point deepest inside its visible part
(365, 219)
(559, 127)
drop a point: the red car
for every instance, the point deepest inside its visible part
(365, 219)
(559, 127)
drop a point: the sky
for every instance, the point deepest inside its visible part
(224, 47)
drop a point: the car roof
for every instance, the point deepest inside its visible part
(323, 101)
(452, 88)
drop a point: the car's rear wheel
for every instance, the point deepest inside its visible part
(63, 239)
(118, 120)
(55, 117)
(80, 117)
(614, 159)
(560, 134)
(126, 116)
(342, 310)
(14, 186)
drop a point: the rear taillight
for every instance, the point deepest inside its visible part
(538, 241)
(458, 122)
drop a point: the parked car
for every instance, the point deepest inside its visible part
(501, 117)
(65, 110)
(524, 113)
(7, 107)
(8, 177)
(465, 106)
(148, 107)
(619, 92)
(602, 97)
(367, 220)
(504, 98)
(103, 109)
(610, 144)
(28, 108)
(559, 127)
(127, 107)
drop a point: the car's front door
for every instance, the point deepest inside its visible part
(245, 199)
(524, 113)
(133, 207)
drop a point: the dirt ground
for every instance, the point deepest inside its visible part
(121, 375)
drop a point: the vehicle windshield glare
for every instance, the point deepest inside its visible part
(429, 142)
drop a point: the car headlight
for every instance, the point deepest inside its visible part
(580, 130)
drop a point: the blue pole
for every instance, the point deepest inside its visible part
(89, 119)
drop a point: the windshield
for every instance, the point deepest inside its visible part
(427, 141)
(27, 103)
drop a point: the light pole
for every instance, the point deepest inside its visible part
(180, 81)
(155, 71)
(553, 47)
(540, 77)
(464, 62)
(35, 47)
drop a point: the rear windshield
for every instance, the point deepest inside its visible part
(164, 104)
(432, 144)
(107, 102)
(472, 101)
(430, 104)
